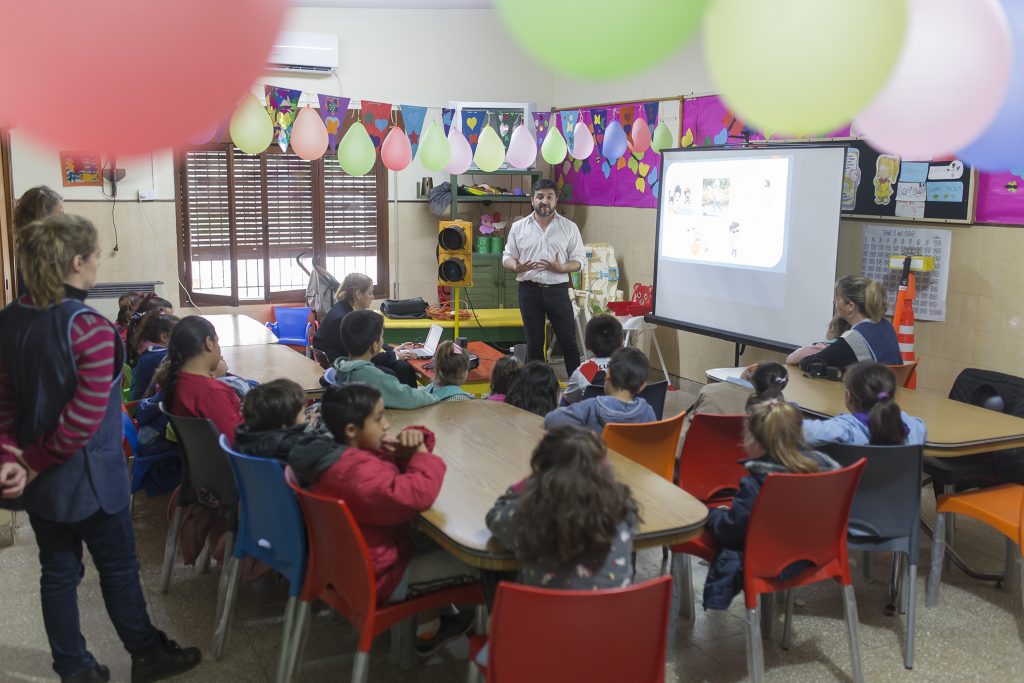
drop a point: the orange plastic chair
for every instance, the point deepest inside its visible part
(709, 462)
(340, 573)
(651, 444)
(616, 635)
(1000, 507)
(904, 372)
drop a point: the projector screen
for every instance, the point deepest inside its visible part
(746, 242)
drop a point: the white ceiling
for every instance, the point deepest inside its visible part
(396, 4)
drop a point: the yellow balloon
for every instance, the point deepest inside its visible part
(251, 128)
(490, 153)
(356, 152)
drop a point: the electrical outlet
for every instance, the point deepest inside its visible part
(147, 195)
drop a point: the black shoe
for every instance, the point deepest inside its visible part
(163, 661)
(451, 629)
(96, 674)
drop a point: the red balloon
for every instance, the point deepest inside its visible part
(124, 76)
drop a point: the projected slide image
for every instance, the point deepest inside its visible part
(730, 212)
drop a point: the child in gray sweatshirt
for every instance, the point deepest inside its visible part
(624, 379)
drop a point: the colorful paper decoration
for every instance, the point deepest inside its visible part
(506, 121)
(376, 118)
(541, 121)
(447, 116)
(283, 107)
(651, 113)
(473, 121)
(412, 117)
(569, 119)
(332, 111)
(598, 122)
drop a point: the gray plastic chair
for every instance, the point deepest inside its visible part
(886, 515)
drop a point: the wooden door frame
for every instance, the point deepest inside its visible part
(8, 264)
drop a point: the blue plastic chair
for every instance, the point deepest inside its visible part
(140, 464)
(271, 530)
(293, 326)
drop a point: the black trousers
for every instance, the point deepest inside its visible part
(553, 302)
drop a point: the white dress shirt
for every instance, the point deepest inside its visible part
(527, 241)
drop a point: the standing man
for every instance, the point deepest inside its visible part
(543, 249)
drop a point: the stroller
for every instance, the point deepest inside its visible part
(319, 297)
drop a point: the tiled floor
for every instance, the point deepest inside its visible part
(971, 635)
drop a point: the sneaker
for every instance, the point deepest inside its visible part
(451, 629)
(95, 674)
(163, 661)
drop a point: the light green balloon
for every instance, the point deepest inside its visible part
(251, 128)
(356, 153)
(662, 138)
(553, 149)
(794, 66)
(434, 151)
(560, 34)
(490, 152)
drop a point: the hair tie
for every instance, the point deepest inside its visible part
(882, 395)
(782, 380)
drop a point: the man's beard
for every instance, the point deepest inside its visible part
(544, 211)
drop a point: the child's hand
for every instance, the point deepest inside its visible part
(409, 441)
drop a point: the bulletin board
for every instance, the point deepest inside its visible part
(877, 185)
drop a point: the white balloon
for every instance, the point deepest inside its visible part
(582, 142)
(462, 153)
(522, 148)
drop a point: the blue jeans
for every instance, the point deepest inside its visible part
(111, 542)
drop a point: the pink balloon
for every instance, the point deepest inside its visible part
(203, 137)
(462, 153)
(522, 148)
(396, 152)
(309, 136)
(641, 134)
(929, 108)
(582, 141)
(157, 73)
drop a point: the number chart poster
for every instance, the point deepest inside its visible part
(883, 241)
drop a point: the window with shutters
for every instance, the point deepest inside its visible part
(243, 220)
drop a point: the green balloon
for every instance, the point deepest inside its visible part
(556, 33)
(251, 128)
(553, 149)
(790, 66)
(356, 153)
(663, 138)
(434, 151)
(490, 152)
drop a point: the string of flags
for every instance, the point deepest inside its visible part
(486, 138)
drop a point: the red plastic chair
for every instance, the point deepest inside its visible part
(542, 635)
(341, 574)
(796, 518)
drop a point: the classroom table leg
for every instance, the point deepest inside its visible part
(935, 571)
(1010, 567)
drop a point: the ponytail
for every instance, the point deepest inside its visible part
(188, 339)
(769, 379)
(152, 306)
(353, 282)
(868, 295)
(46, 250)
(450, 363)
(777, 427)
(131, 304)
(872, 389)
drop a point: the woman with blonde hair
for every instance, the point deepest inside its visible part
(60, 450)
(35, 204)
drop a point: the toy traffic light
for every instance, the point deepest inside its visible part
(454, 254)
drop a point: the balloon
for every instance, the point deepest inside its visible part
(309, 136)
(203, 137)
(790, 65)
(541, 26)
(554, 149)
(356, 152)
(923, 112)
(641, 134)
(582, 141)
(396, 151)
(490, 153)
(522, 148)
(251, 128)
(1001, 146)
(462, 153)
(614, 142)
(156, 93)
(663, 138)
(434, 151)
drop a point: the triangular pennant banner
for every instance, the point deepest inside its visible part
(569, 121)
(376, 118)
(473, 121)
(541, 120)
(413, 117)
(599, 120)
(506, 119)
(651, 113)
(283, 106)
(447, 115)
(332, 111)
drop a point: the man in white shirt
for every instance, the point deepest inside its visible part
(543, 249)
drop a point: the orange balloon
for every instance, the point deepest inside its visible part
(309, 136)
(396, 152)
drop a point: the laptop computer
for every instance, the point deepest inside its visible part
(429, 346)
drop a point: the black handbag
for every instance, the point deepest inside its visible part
(404, 308)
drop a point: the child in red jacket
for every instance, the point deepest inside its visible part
(386, 482)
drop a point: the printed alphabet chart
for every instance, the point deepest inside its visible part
(883, 241)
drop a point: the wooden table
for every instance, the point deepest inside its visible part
(265, 362)
(495, 325)
(235, 329)
(478, 382)
(954, 428)
(487, 447)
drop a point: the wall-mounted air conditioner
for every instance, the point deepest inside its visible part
(304, 53)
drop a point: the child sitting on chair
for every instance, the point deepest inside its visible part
(451, 367)
(836, 327)
(602, 336)
(625, 377)
(505, 370)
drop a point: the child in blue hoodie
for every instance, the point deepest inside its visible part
(625, 377)
(874, 418)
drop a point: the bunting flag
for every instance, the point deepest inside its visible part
(505, 121)
(376, 118)
(283, 107)
(651, 114)
(541, 121)
(446, 118)
(599, 120)
(473, 121)
(569, 121)
(332, 111)
(412, 117)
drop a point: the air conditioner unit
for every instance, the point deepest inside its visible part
(304, 52)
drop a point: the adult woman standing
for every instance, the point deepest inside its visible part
(60, 432)
(36, 204)
(860, 302)
(356, 294)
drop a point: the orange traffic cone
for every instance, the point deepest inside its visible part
(903, 320)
